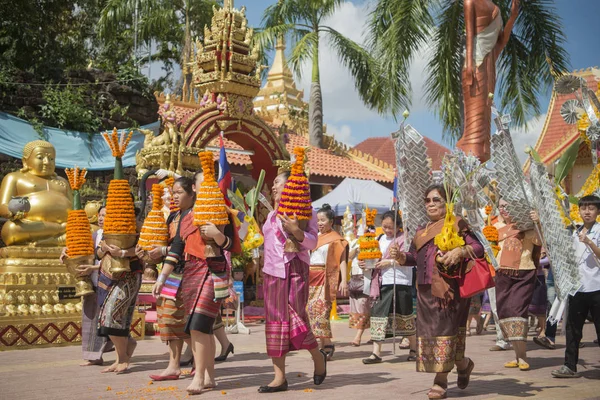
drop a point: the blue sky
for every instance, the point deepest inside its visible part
(349, 121)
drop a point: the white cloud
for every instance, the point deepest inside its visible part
(341, 134)
(523, 137)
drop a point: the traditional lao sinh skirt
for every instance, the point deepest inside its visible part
(383, 323)
(514, 290)
(287, 325)
(319, 302)
(360, 304)
(198, 294)
(118, 295)
(441, 331)
(172, 318)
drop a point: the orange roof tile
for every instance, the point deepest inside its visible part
(383, 149)
(324, 162)
(557, 135)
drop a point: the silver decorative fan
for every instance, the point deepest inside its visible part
(568, 84)
(571, 111)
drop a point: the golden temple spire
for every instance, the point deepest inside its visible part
(280, 74)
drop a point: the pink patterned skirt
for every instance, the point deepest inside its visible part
(287, 325)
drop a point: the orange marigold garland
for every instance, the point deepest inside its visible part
(210, 202)
(79, 233)
(120, 212)
(491, 232)
(295, 198)
(154, 231)
(368, 244)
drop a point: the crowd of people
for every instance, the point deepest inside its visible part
(300, 289)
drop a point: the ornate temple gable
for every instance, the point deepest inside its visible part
(225, 64)
(557, 135)
(225, 79)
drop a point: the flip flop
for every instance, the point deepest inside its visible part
(354, 344)
(159, 378)
(464, 376)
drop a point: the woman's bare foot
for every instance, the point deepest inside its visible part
(89, 363)
(112, 368)
(122, 367)
(196, 387)
(209, 383)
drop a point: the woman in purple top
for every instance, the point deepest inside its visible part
(286, 292)
(441, 312)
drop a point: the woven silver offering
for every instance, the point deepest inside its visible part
(558, 240)
(413, 179)
(511, 181)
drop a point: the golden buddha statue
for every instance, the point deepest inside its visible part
(49, 196)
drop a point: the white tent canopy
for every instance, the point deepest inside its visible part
(357, 194)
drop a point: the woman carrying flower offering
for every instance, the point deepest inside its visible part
(515, 282)
(326, 263)
(441, 312)
(286, 291)
(117, 291)
(171, 314)
(204, 282)
(387, 276)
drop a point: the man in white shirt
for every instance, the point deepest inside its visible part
(587, 299)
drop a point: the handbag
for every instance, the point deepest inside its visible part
(171, 286)
(356, 285)
(218, 270)
(478, 279)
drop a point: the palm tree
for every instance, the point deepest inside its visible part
(534, 54)
(168, 27)
(302, 21)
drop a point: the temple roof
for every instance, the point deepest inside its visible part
(322, 162)
(557, 135)
(383, 149)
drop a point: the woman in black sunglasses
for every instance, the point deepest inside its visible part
(441, 312)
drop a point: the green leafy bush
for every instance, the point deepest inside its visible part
(66, 108)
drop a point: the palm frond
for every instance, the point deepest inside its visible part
(532, 56)
(266, 37)
(397, 30)
(364, 69)
(302, 51)
(443, 87)
(519, 84)
(540, 24)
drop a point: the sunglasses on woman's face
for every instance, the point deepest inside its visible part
(435, 200)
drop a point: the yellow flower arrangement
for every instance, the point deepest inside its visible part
(120, 212)
(210, 203)
(154, 231)
(295, 198)
(449, 239)
(79, 233)
(117, 145)
(367, 243)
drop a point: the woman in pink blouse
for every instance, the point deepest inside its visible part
(286, 292)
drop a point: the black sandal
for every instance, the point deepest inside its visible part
(412, 356)
(373, 359)
(329, 353)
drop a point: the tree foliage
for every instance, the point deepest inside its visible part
(399, 29)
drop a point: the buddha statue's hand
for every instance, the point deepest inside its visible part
(19, 215)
